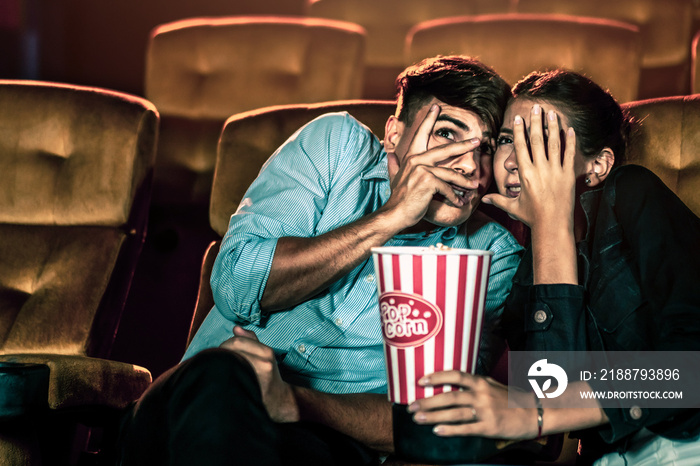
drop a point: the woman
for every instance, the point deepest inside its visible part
(612, 266)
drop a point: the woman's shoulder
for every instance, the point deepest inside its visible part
(635, 183)
(631, 173)
(634, 191)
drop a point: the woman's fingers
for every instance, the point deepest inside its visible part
(505, 203)
(536, 135)
(570, 149)
(520, 145)
(531, 146)
(474, 408)
(553, 138)
(453, 377)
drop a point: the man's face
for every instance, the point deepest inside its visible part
(453, 124)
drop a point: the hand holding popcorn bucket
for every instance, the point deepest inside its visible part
(431, 302)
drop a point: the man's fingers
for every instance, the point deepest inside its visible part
(445, 181)
(246, 343)
(419, 143)
(444, 152)
(241, 332)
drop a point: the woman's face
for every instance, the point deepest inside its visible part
(505, 166)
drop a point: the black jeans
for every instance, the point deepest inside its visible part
(208, 410)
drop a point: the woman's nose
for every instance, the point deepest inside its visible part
(511, 162)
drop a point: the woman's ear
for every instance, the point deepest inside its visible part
(599, 167)
(392, 133)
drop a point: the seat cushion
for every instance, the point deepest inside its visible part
(52, 280)
(77, 381)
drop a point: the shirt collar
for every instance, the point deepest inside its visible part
(444, 233)
(380, 169)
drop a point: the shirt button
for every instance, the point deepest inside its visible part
(540, 316)
(636, 412)
(369, 278)
(338, 322)
(387, 192)
(301, 348)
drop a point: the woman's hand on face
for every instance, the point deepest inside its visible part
(547, 179)
(480, 408)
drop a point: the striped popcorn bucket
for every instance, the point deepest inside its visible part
(431, 302)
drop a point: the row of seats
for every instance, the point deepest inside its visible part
(77, 165)
(79, 41)
(665, 29)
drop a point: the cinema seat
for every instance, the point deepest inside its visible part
(75, 174)
(607, 51)
(666, 35)
(695, 65)
(667, 141)
(200, 71)
(386, 23)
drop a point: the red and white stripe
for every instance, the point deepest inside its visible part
(456, 284)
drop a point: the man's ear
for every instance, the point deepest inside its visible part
(599, 168)
(392, 133)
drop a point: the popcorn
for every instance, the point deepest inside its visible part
(439, 247)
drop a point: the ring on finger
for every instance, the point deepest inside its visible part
(474, 417)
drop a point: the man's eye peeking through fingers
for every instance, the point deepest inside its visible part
(445, 133)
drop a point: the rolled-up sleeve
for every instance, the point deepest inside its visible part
(287, 199)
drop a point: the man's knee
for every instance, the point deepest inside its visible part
(214, 372)
(199, 412)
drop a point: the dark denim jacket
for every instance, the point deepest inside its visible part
(639, 276)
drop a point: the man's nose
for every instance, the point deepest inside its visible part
(466, 164)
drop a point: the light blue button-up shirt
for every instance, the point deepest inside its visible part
(329, 173)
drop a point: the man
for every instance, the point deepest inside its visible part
(299, 375)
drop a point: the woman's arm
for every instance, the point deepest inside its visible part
(487, 408)
(546, 201)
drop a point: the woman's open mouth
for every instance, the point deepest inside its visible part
(512, 190)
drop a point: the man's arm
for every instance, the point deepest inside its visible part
(302, 267)
(364, 416)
